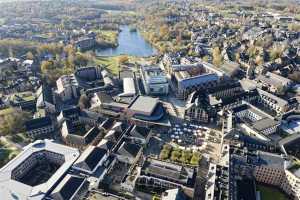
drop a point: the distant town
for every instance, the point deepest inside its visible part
(150, 100)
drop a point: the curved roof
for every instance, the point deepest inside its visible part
(156, 115)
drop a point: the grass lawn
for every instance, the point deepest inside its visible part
(111, 63)
(270, 193)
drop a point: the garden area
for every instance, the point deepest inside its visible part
(188, 157)
(270, 193)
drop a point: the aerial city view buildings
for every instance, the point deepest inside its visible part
(150, 100)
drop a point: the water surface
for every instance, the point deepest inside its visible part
(130, 43)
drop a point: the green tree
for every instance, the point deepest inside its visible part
(276, 52)
(164, 32)
(14, 122)
(46, 66)
(81, 60)
(252, 51)
(217, 57)
(195, 158)
(123, 59)
(175, 156)
(84, 101)
(30, 55)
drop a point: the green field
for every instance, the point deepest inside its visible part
(270, 193)
(110, 63)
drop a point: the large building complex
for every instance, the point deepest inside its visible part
(36, 170)
(188, 78)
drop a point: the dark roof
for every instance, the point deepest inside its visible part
(108, 123)
(240, 108)
(104, 98)
(70, 187)
(71, 111)
(129, 149)
(138, 131)
(246, 189)
(38, 123)
(47, 93)
(94, 157)
(75, 129)
(91, 135)
(156, 115)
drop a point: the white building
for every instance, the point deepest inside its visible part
(67, 87)
(154, 80)
(36, 170)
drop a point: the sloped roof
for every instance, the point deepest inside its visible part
(129, 149)
(140, 132)
(68, 186)
(90, 158)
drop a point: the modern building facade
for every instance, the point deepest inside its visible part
(154, 80)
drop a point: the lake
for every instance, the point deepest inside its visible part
(130, 43)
